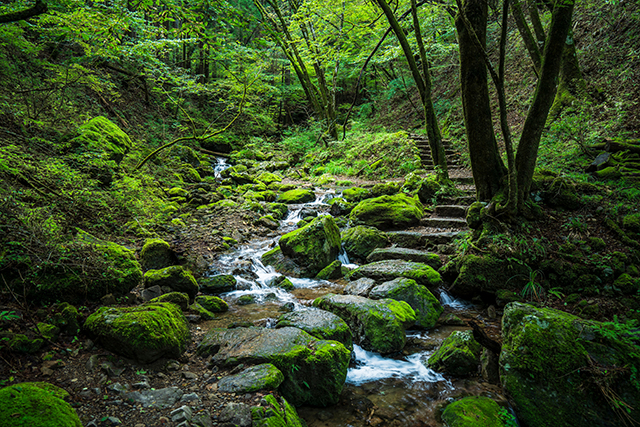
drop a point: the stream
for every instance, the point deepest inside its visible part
(378, 388)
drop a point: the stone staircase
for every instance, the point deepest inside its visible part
(454, 157)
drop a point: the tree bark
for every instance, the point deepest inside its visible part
(38, 9)
(543, 97)
(527, 37)
(487, 166)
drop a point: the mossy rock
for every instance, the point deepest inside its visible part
(376, 325)
(332, 271)
(314, 246)
(201, 311)
(177, 192)
(488, 274)
(356, 194)
(156, 254)
(48, 331)
(36, 404)
(101, 134)
(384, 271)
(174, 277)
(260, 377)
(385, 189)
(321, 324)
(424, 304)
(476, 411)
(218, 284)
(458, 355)
(145, 333)
(274, 413)
(314, 370)
(268, 221)
(281, 263)
(632, 222)
(178, 298)
(246, 299)
(279, 211)
(555, 367)
(268, 178)
(340, 206)
(386, 212)
(66, 317)
(297, 196)
(213, 304)
(360, 241)
(20, 343)
(405, 254)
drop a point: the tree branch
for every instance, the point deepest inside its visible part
(38, 9)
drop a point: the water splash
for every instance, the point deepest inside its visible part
(221, 164)
(456, 304)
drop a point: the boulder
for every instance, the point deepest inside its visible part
(212, 304)
(360, 241)
(259, 377)
(314, 370)
(360, 287)
(385, 189)
(426, 306)
(274, 413)
(268, 178)
(144, 333)
(218, 284)
(561, 370)
(332, 271)
(297, 196)
(102, 135)
(488, 274)
(36, 404)
(340, 206)
(174, 277)
(458, 354)
(405, 254)
(355, 194)
(321, 324)
(386, 212)
(156, 254)
(476, 411)
(376, 325)
(314, 246)
(178, 298)
(281, 263)
(384, 271)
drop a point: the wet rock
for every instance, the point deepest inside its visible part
(306, 213)
(297, 196)
(405, 254)
(144, 333)
(489, 366)
(36, 405)
(314, 370)
(175, 277)
(260, 377)
(156, 254)
(360, 241)
(275, 413)
(178, 298)
(332, 271)
(236, 415)
(151, 293)
(474, 411)
(183, 413)
(217, 284)
(426, 306)
(553, 365)
(360, 287)
(458, 354)
(452, 320)
(386, 212)
(321, 324)
(376, 325)
(212, 303)
(161, 398)
(384, 271)
(340, 206)
(488, 274)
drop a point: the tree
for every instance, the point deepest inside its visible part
(37, 9)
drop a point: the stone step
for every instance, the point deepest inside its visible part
(451, 211)
(443, 222)
(443, 238)
(405, 254)
(420, 240)
(463, 180)
(460, 200)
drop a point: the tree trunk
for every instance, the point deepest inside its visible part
(488, 169)
(543, 97)
(572, 84)
(527, 36)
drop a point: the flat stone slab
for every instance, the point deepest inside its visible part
(360, 287)
(259, 377)
(441, 238)
(407, 239)
(385, 271)
(321, 324)
(406, 254)
(444, 222)
(451, 211)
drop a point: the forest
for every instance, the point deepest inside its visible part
(313, 213)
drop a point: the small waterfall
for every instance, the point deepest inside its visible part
(343, 257)
(456, 304)
(221, 164)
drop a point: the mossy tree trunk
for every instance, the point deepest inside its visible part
(486, 164)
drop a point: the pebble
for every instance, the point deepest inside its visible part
(189, 376)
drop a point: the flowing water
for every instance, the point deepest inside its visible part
(380, 390)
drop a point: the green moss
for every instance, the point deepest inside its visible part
(384, 212)
(202, 312)
(101, 134)
(360, 241)
(48, 331)
(177, 192)
(474, 411)
(268, 178)
(278, 210)
(20, 343)
(632, 222)
(218, 284)
(144, 333)
(332, 271)
(36, 405)
(271, 413)
(246, 300)
(67, 318)
(213, 304)
(297, 196)
(155, 254)
(458, 355)
(174, 277)
(426, 306)
(355, 194)
(178, 298)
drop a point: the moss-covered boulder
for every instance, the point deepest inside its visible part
(340, 206)
(386, 212)
(476, 411)
(274, 413)
(178, 298)
(360, 241)
(355, 194)
(260, 377)
(321, 324)
(297, 196)
(279, 211)
(488, 274)
(314, 370)
(145, 333)
(212, 303)
(385, 189)
(426, 306)
(174, 277)
(20, 343)
(561, 370)
(268, 177)
(36, 404)
(156, 254)
(102, 135)
(405, 254)
(314, 246)
(631, 222)
(360, 287)
(281, 263)
(332, 271)
(67, 318)
(385, 271)
(459, 354)
(217, 284)
(376, 325)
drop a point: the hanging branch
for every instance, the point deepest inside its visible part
(38, 9)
